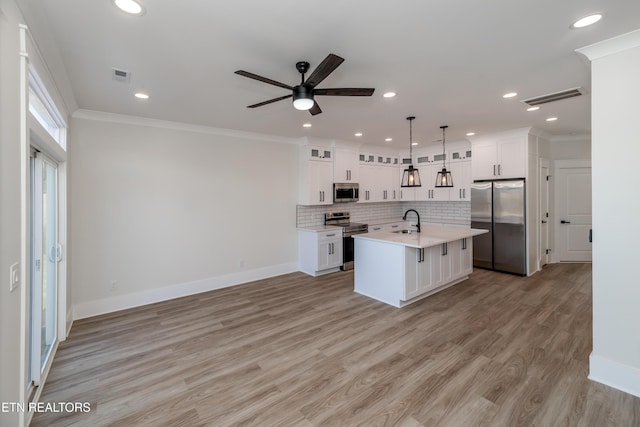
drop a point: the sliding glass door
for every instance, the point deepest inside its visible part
(45, 255)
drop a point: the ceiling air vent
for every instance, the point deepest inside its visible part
(120, 75)
(556, 96)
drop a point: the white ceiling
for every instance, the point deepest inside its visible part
(449, 62)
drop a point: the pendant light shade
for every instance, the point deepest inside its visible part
(444, 178)
(411, 176)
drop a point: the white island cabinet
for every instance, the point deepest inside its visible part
(399, 269)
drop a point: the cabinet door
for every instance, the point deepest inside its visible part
(412, 259)
(512, 157)
(485, 162)
(455, 251)
(367, 183)
(320, 183)
(466, 257)
(324, 254)
(345, 165)
(335, 253)
(461, 173)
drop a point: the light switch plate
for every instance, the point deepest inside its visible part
(14, 277)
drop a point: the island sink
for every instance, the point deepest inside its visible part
(405, 231)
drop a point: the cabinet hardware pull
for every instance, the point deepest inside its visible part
(565, 222)
(331, 235)
(499, 170)
(444, 249)
(494, 170)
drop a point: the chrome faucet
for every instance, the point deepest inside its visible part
(404, 218)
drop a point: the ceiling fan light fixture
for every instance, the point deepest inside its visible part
(302, 98)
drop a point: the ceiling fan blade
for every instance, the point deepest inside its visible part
(345, 91)
(326, 67)
(315, 109)
(262, 79)
(260, 104)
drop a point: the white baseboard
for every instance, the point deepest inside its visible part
(614, 374)
(86, 309)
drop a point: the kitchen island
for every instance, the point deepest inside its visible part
(401, 267)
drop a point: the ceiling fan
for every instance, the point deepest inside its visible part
(303, 94)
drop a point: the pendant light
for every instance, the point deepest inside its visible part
(444, 179)
(411, 176)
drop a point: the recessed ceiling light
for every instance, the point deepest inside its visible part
(129, 6)
(470, 133)
(586, 21)
(552, 119)
(388, 139)
(414, 143)
(306, 125)
(533, 108)
(389, 94)
(141, 95)
(358, 134)
(509, 95)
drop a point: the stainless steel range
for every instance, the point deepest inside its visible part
(343, 219)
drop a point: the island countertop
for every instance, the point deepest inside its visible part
(428, 236)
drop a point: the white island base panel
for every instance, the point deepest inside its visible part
(402, 272)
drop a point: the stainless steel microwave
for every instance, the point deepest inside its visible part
(343, 193)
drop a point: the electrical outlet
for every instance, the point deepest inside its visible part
(114, 286)
(14, 276)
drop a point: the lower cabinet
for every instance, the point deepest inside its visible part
(320, 252)
(430, 268)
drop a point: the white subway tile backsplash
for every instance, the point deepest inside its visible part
(443, 212)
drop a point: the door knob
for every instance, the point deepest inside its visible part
(565, 222)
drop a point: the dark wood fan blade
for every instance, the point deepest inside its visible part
(262, 79)
(260, 104)
(326, 67)
(315, 109)
(345, 91)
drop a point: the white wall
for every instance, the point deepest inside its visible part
(570, 149)
(615, 68)
(165, 212)
(10, 214)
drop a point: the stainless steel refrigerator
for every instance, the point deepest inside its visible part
(499, 206)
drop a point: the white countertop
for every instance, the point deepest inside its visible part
(428, 236)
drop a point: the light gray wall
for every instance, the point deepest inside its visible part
(10, 215)
(615, 67)
(157, 210)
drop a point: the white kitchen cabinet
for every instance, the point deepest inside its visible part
(461, 257)
(346, 165)
(323, 154)
(461, 174)
(418, 272)
(315, 186)
(499, 157)
(368, 183)
(433, 267)
(320, 252)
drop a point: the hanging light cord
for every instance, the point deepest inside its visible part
(443, 147)
(410, 138)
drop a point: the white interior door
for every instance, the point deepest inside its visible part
(573, 204)
(544, 213)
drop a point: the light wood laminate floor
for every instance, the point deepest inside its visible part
(496, 350)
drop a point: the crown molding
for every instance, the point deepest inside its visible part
(611, 46)
(101, 116)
